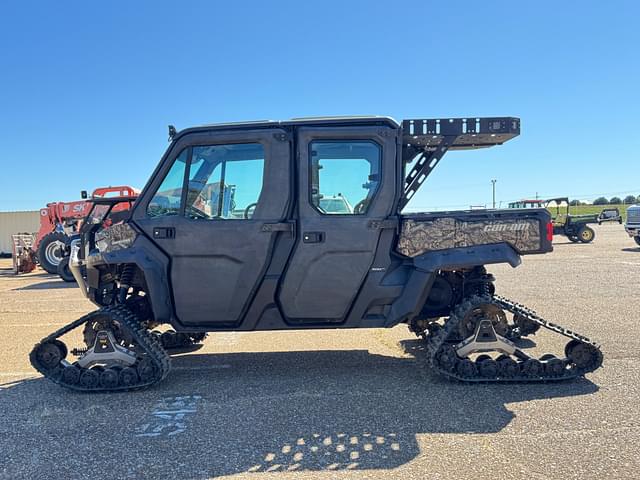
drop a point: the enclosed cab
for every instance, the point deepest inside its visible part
(299, 225)
(257, 226)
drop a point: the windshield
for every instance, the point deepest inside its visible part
(97, 214)
(107, 214)
(335, 205)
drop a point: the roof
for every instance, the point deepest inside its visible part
(302, 121)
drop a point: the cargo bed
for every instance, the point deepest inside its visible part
(526, 230)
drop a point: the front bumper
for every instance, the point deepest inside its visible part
(633, 230)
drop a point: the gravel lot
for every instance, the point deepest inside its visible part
(334, 404)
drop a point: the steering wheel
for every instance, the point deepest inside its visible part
(196, 213)
(248, 213)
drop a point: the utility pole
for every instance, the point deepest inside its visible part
(493, 182)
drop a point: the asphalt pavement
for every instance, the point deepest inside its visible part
(338, 404)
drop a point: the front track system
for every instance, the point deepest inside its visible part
(124, 354)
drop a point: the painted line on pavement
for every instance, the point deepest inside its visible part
(168, 418)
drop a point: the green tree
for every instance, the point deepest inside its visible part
(630, 200)
(615, 201)
(575, 203)
(601, 201)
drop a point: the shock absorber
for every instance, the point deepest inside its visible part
(479, 282)
(126, 277)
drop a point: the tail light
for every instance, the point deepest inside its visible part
(550, 231)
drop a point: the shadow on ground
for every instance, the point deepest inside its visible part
(634, 250)
(52, 281)
(8, 273)
(50, 285)
(257, 412)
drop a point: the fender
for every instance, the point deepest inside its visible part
(466, 257)
(155, 267)
(427, 265)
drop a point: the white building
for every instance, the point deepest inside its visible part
(17, 222)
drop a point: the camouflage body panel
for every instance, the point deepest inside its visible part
(422, 235)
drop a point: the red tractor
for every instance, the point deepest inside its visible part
(61, 219)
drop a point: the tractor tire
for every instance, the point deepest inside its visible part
(637, 239)
(586, 234)
(64, 271)
(50, 252)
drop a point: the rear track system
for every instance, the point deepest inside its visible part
(450, 355)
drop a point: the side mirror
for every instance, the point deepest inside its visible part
(83, 194)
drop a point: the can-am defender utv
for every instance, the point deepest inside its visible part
(231, 233)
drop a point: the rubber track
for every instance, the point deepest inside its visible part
(150, 345)
(435, 341)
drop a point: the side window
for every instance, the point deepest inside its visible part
(167, 198)
(344, 176)
(225, 181)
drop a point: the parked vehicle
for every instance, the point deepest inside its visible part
(574, 227)
(632, 226)
(609, 215)
(289, 264)
(335, 204)
(59, 220)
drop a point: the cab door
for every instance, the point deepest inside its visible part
(346, 184)
(214, 208)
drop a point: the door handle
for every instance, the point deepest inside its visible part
(164, 232)
(313, 237)
(278, 227)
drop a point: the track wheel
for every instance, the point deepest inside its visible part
(526, 326)
(448, 358)
(555, 367)
(109, 378)
(146, 369)
(532, 368)
(128, 376)
(89, 378)
(507, 366)
(487, 366)
(50, 354)
(169, 339)
(198, 337)
(466, 368)
(71, 374)
(582, 355)
(182, 339)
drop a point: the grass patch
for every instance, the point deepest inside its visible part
(590, 209)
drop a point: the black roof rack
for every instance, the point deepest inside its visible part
(425, 141)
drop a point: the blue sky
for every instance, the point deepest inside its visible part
(87, 88)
